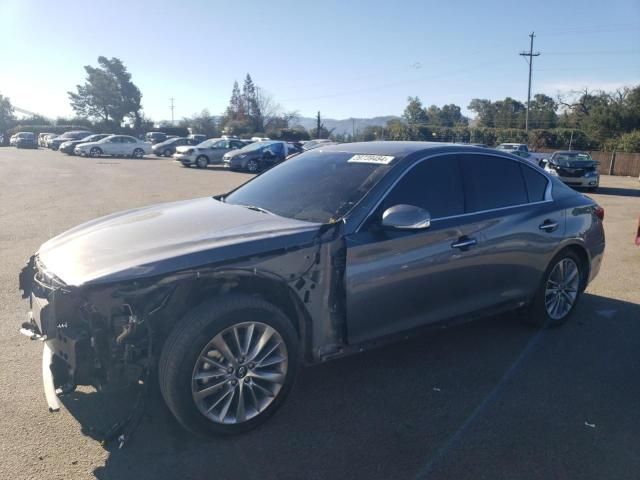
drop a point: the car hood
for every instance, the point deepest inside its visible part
(88, 144)
(167, 237)
(186, 148)
(236, 153)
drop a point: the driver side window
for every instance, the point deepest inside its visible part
(434, 184)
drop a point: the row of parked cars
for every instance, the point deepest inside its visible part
(575, 168)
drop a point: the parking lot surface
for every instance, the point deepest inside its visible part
(489, 399)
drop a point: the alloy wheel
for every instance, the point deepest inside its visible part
(561, 289)
(253, 166)
(239, 373)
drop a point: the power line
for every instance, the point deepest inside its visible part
(530, 61)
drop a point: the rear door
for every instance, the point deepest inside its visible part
(516, 226)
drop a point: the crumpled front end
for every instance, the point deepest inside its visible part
(83, 344)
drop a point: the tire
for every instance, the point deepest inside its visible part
(253, 166)
(138, 153)
(95, 152)
(167, 152)
(593, 189)
(197, 335)
(541, 311)
(202, 161)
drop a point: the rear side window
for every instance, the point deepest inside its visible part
(492, 182)
(435, 185)
(536, 184)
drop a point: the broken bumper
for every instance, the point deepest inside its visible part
(64, 347)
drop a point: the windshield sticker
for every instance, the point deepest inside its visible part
(379, 159)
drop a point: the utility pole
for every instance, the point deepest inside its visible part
(172, 107)
(529, 54)
(353, 129)
(318, 126)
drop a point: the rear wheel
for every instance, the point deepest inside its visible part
(138, 153)
(202, 161)
(559, 291)
(228, 365)
(167, 152)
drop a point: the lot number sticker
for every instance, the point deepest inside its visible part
(378, 159)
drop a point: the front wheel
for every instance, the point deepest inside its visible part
(202, 161)
(95, 152)
(138, 153)
(253, 166)
(559, 291)
(228, 365)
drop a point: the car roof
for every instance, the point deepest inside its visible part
(398, 149)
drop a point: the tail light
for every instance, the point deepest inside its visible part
(599, 212)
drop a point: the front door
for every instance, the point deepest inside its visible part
(397, 280)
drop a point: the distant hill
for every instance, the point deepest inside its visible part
(347, 125)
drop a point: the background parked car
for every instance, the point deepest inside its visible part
(257, 156)
(155, 137)
(197, 138)
(530, 156)
(69, 146)
(574, 168)
(26, 140)
(209, 152)
(311, 144)
(54, 143)
(116, 145)
(513, 147)
(168, 147)
(42, 138)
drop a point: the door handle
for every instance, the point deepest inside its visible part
(548, 226)
(464, 242)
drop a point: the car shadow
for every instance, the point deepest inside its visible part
(620, 192)
(436, 404)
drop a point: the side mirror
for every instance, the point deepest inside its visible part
(406, 217)
(543, 162)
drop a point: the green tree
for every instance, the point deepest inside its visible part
(108, 94)
(415, 113)
(509, 113)
(251, 104)
(235, 110)
(7, 118)
(203, 123)
(485, 110)
(542, 113)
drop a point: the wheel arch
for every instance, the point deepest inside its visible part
(192, 292)
(579, 248)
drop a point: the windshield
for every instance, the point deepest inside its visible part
(572, 159)
(207, 143)
(256, 146)
(314, 186)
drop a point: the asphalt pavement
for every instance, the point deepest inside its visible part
(486, 400)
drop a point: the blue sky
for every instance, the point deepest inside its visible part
(344, 58)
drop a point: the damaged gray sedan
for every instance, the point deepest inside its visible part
(337, 250)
